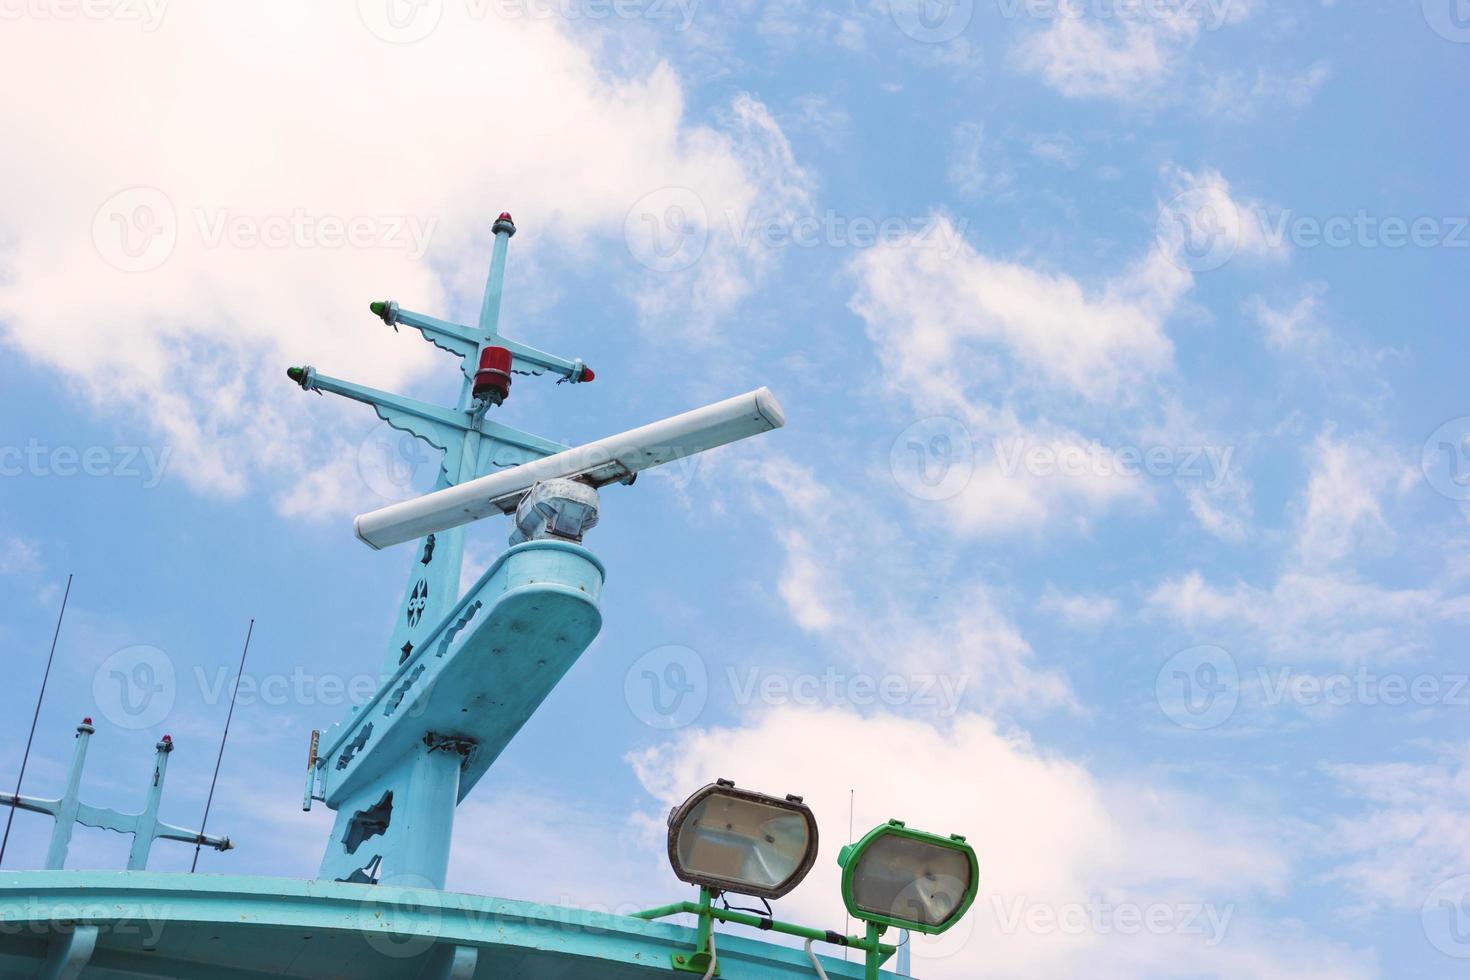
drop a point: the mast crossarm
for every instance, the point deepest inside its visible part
(444, 429)
(131, 823)
(451, 337)
(466, 342)
(106, 819)
(439, 427)
(30, 804)
(167, 831)
(529, 360)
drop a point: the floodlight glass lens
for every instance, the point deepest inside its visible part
(742, 841)
(911, 880)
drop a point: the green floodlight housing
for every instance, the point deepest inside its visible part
(899, 877)
(736, 840)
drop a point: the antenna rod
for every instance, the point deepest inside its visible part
(223, 738)
(35, 718)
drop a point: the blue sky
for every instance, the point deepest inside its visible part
(1119, 523)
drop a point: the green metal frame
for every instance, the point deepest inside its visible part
(850, 856)
(877, 952)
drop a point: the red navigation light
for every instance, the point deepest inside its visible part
(86, 721)
(505, 216)
(168, 738)
(492, 381)
(587, 374)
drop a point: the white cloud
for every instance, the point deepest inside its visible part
(967, 170)
(828, 581)
(1081, 611)
(1051, 838)
(1239, 96)
(417, 146)
(19, 557)
(953, 320)
(1318, 608)
(1132, 53)
(1409, 833)
(1343, 501)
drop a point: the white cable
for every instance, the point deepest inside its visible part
(816, 964)
(714, 961)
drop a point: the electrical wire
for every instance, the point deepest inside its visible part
(714, 960)
(816, 964)
(223, 738)
(34, 718)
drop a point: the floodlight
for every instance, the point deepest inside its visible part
(899, 877)
(615, 459)
(737, 840)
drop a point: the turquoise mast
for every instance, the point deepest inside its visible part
(462, 674)
(144, 827)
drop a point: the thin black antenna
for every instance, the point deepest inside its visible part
(223, 738)
(35, 718)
